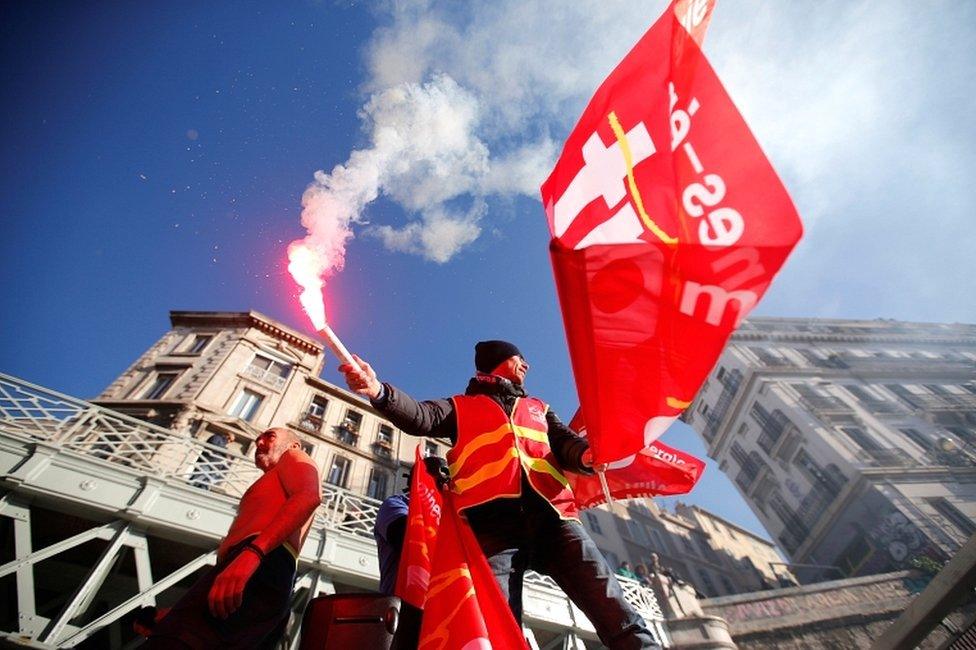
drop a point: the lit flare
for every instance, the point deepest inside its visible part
(306, 266)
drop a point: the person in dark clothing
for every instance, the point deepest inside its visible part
(390, 532)
(506, 466)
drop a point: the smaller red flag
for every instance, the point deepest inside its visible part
(465, 608)
(423, 520)
(657, 470)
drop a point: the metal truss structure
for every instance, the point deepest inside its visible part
(101, 514)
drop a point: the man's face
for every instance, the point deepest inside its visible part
(268, 449)
(513, 369)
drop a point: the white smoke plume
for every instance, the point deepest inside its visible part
(422, 153)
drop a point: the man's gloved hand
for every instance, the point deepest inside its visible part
(227, 592)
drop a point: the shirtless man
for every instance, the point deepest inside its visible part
(243, 602)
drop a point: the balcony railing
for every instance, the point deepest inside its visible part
(943, 402)
(887, 458)
(34, 413)
(310, 423)
(346, 435)
(266, 376)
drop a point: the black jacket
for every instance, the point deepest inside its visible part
(436, 418)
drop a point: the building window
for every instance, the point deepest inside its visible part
(316, 409)
(955, 516)
(855, 555)
(795, 528)
(348, 430)
(912, 394)
(871, 398)
(729, 589)
(246, 405)
(819, 398)
(827, 481)
(770, 357)
(638, 532)
(772, 425)
(870, 449)
(750, 465)
(431, 448)
(707, 584)
(593, 522)
(376, 488)
(199, 343)
(160, 385)
(660, 545)
(861, 438)
(339, 472)
(918, 438)
(314, 415)
(612, 559)
(822, 358)
(268, 371)
(384, 441)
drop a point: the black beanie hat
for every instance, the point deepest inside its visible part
(488, 354)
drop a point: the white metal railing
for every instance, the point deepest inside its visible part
(36, 413)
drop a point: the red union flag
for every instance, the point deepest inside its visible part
(420, 539)
(668, 224)
(465, 608)
(657, 470)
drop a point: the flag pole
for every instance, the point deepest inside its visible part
(602, 473)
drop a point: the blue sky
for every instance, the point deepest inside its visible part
(155, 156)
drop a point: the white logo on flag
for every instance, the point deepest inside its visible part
(604, 175)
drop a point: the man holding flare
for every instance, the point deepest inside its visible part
(507, 464)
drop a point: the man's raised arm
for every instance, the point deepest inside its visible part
(434, 418)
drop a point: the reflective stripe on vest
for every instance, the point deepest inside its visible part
(492, 450)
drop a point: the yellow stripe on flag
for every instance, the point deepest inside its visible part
(618, 131)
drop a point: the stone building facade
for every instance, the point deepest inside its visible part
(854, 442)
(698, 547)
(236, 374)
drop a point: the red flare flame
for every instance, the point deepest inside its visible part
(306, 266)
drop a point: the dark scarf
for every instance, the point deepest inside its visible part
(501, 390)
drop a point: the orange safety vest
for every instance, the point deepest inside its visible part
(492, 450)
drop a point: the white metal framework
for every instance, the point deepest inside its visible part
(86, 479)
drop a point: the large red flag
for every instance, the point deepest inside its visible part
(668, 225)
(465, 608)
(420, 539)
(657, 470)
